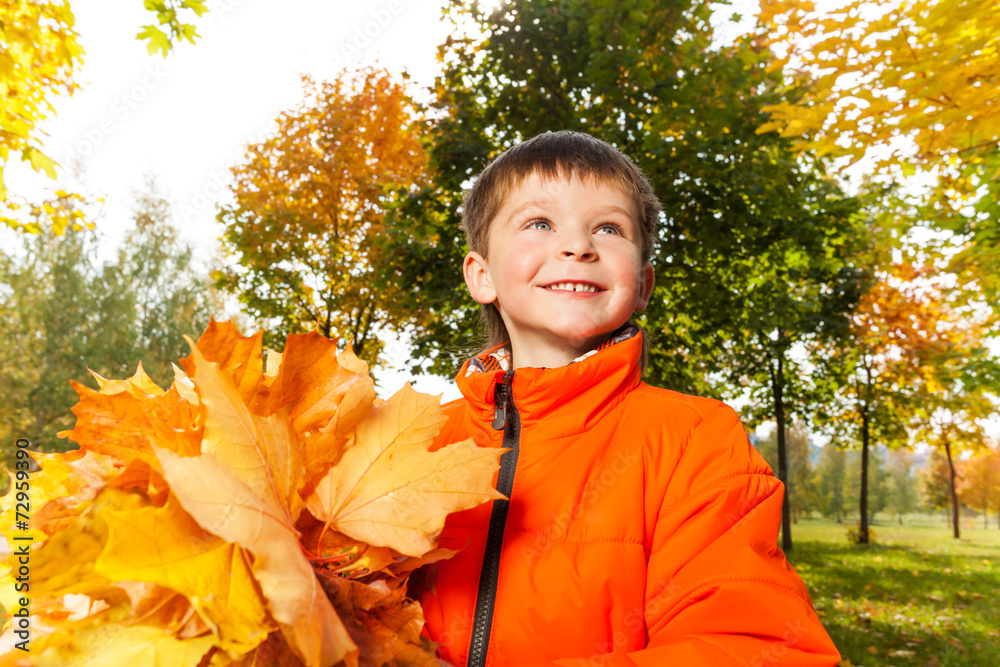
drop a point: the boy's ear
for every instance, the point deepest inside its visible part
(648, 278)
(477, 278)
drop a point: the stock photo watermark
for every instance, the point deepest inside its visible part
(135, 95)
(366, 34)
(121, 108)
(21, 548)
(594, 489)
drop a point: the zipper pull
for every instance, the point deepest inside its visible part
(500, 394)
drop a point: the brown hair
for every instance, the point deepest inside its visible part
(554, 155)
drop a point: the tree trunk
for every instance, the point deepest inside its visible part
(954, 492)
(777, 388)
(863, 530)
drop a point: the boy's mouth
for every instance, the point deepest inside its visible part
(573, 287)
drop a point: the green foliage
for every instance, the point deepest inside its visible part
(745, 223)
(171, 14)
(968, 205)
(878, 483)
(64, 314)
(800, 483)
(901, 483)
(155, 292)
(52, 322)
(935, 482)
(829, 482)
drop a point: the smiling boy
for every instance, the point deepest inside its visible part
(640, 525)
(565, 268)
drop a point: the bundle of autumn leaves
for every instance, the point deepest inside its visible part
(249, 515)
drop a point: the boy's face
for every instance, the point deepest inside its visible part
(561, 231)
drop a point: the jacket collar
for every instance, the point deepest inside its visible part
(570, 398)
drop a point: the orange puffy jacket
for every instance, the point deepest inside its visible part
(640, 529)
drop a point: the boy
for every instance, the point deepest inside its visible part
(641, 525)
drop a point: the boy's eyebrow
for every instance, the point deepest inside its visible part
(614, 207)
(545, 204)
(540, 204)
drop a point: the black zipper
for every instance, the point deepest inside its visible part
(504, 417)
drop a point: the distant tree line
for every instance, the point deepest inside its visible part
(825, 481)
(65, 312)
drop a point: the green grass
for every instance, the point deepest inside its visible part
(916, 597)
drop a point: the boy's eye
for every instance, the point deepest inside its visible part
(609, 225)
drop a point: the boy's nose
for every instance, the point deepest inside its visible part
(579, 246)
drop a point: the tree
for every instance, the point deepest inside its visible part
(65, 313)
(957, 373)
(829, 481)
(852, 482)
(38, 60)
(309, 208)
(153, 292)
(51, 318)
(755, 248)
(40, 56)
(521, 69)
(981, 484)
(911, 83)
(935, 483)
(800, 469)
(902, 485)
(878, 491)
(952, 423)
(881, 70)
(787, 288)
(894, 332)
(735, 203)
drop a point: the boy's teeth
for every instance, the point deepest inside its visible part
(575, 287)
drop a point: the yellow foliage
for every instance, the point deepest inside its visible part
(930, 70)
(37, 62)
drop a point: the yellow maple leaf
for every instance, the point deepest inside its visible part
(389, 490)
(138, 385)
(119, 644)
(165, 546)
(217, 499)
